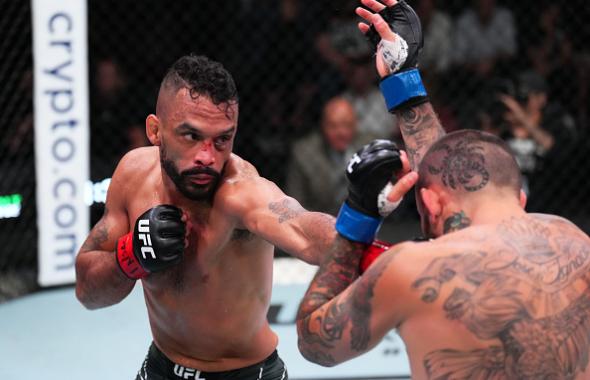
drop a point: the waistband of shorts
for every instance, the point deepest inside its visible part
(182, 372)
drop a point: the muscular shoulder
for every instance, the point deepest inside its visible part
(135, 167)
(242, 186)
(555, 221)
(410, 260)
(138, 161)
(238, 170)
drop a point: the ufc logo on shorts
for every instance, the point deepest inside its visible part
(144, 235)
(353, 161)
(187, 373)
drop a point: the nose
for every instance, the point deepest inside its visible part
(205, 154)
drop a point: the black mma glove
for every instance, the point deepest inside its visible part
(404, 22)
(403, 87)
(156, 243)
(370, 173)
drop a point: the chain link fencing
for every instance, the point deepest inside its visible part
(516, 69)
(18, 229)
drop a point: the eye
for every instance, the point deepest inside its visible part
(190, 136)
(222, 140)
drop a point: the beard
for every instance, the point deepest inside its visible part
(182, 180)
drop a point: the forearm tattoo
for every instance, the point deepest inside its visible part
(321, 326)
(318, 331)
(98, 235)
(420, 128)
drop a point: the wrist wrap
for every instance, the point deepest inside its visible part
(403, 88)
(357, 226)
(127, 260)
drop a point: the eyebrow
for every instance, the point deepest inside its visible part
(186, 127)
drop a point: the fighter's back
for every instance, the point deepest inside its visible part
(499, 301)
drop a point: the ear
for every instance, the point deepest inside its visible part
(432, 203)
(522, 199)
(153, 129)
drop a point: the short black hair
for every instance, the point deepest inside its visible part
(202, 76)
(467, 161)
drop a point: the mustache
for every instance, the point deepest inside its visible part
(204, 170)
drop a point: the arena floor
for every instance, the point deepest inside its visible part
(49, 335)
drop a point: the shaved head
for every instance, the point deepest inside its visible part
(339, 124)
(468, 162)
(200, 76)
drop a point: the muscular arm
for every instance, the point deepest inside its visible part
(99, 280)
(266, 211)
(342, 315)
(420, 128)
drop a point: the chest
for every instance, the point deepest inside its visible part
(209, 230)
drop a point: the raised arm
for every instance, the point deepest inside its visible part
(397, 61)
(420, 129)
(99, 281)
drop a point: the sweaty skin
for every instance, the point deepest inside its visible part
(500, 294)
(208, 312)
(493, 301)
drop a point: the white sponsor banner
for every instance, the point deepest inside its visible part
(61, 134)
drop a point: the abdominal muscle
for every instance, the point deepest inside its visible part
(212, 317)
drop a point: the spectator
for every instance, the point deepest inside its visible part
(437, 26)
(484, 45)
(337, 44)
(538, 130)
(316, 173)
(279, 87)
(366, 98)
(485, 37)
(290, 87)
(112, 116)
(550, 53)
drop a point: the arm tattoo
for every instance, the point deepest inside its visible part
(285, 209)
(420, 128)
(361, 305)
(338, 271)
(321, 327)
(528, 290)
(98, 236)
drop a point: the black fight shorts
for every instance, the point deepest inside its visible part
(157, 366)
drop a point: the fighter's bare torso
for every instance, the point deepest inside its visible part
(208, 312)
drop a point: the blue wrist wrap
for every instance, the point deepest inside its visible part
(357, 226)
(401, 87)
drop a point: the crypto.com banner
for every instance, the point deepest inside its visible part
(61, 134)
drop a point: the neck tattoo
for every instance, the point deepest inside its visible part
(456, 222)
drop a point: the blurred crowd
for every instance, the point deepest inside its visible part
(309, 91)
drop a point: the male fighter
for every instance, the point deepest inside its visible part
(497, 293)
(196, 223)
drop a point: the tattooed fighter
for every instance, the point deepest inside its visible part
(497, 293)
(195, 224)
